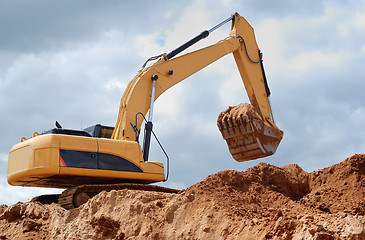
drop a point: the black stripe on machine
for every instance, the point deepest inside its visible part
(95, 160)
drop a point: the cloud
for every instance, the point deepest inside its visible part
(71, 62)
(3, 157)
(11, 195)
(42, 25)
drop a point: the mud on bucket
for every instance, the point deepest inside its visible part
(248, 137)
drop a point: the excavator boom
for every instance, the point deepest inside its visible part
(242, 44)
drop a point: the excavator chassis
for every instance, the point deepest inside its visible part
(76, 196)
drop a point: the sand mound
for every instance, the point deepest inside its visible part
(264, 202)
(241, 110)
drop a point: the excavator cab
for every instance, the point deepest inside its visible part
(100, 131)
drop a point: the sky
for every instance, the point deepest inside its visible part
(70, 61)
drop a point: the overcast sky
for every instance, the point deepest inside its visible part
(71, 60)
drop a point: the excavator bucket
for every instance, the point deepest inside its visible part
(247, 135)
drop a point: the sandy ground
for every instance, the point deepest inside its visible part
(264, 202)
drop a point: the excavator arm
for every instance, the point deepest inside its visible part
(136, 97)
(168, 71)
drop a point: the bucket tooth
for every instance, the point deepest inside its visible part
(248, 137)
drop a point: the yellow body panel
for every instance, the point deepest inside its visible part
(77, 143)
(33, 157)
(127, 150)
(21, 156)
(36, 162)
(114, 176)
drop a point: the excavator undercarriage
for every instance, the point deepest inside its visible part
(76, 196)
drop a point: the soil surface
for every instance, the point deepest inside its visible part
(240, 111)
(264, 202)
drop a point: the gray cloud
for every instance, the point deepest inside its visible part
(70, 62)
(40, 25)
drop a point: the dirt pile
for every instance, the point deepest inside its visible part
(264, 202)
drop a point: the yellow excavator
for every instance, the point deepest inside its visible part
(98, 158)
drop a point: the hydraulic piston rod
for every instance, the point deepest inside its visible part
(202, 35)
(220, 24)
(149, 125)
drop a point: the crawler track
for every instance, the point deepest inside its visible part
(75, 197)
